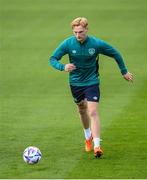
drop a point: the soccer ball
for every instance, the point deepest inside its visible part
(32, 155)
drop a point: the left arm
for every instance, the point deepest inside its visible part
(108, 50)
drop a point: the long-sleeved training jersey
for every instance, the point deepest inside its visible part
(85, 57)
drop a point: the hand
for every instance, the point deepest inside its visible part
(128, 76)
(69, 67)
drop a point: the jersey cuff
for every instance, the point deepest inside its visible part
(124, 71)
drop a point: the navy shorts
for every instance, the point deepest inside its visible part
(90, 93)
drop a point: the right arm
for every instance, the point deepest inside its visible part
(59, 52)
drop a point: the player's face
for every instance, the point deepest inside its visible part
(80, 33)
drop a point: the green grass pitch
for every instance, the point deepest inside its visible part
(36, 107)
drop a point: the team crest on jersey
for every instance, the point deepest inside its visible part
(74, 51)
(91, 51)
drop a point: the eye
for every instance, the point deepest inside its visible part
(78, 32)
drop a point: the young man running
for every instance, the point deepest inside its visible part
(83, 51)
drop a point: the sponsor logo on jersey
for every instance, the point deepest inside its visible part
(91, 51)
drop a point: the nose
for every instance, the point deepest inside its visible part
(78, 35)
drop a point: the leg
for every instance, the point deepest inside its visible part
(94, 117)
(79, 98)
(95, 127)
(82, 108)
(84, 117)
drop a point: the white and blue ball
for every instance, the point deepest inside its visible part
(32, 155)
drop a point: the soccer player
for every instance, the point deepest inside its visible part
(83, 51)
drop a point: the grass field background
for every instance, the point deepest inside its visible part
(36, 107)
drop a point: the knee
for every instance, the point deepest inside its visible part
(92, 113)
(82, 108)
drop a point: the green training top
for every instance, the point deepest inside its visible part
(85, 57)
